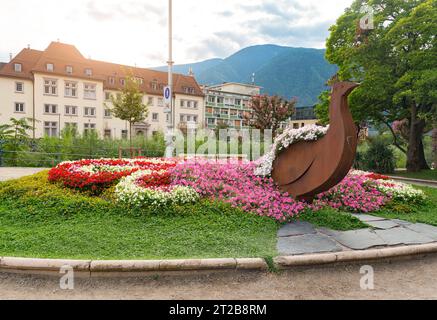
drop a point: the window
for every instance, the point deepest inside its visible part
(155, 117)
(18, 67)
(220, 100)
(71, 126)
(107, 133)
(189, 90)
(50, 67)
(51, 129)
(238, 102)
(107, 96)
(211, 121)
(139, 80)
(69, 69)
(50, 109)
(151, 101)
(107, 113)
(154, 85)
(89, 72)
(111, 80)
(211, 99)
(167, 117)
(122, 81)
(89, 91)
(160, 102)
(70, 110)
(71, 89)
(87, 127)
(90, 112)
(182, 103)
(19, 87)
(124, 134)
(50, 87)
(19, 107)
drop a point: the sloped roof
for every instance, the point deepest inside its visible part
(62, 55)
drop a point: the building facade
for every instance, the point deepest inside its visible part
(228, 104)
(302, 117)
(58, 88)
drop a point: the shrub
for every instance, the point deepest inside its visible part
(380, 158)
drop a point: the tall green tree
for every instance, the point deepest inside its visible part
(268, 112)
(396, 63)
(129, 106)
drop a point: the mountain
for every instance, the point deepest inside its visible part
(285, 71)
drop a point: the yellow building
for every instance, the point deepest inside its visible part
(59, 87)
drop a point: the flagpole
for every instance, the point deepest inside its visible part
(169, 137)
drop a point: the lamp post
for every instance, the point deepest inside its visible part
(169, 137)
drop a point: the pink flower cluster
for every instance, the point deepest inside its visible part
(238, 185)
(356, 193)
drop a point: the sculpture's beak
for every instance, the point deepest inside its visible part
(350, 86)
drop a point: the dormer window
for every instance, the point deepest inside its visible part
(18, 67)
(111, 80)
(154, 85)
(69, 69)
(122, 81)
(50, 67)
(89, 72)
(189, 90)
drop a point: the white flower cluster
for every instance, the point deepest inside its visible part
(401, 191)
(289, 137)
(105, 168)
(130, 193)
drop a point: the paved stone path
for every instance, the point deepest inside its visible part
(15, 173)
(300, 238)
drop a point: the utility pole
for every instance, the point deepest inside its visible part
(169, 137)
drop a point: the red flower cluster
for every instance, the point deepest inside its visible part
(72, 175)
(377, 176)
(154, 180)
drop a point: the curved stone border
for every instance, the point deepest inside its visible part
(355, 256)
(428, 183)
(135, 267)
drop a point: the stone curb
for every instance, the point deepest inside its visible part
(354, 256)
(118, 267)
(126, 267)
(411, 180)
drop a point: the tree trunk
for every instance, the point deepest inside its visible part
(130, 135)
(434, 146)
(416, 154)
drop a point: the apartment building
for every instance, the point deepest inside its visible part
(228, 104)
(59, 87)
(303, 116)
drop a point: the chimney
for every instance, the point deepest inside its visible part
(190, 72)
(10, 56)
(28, 46)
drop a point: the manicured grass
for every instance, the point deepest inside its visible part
(423, 175)
(423, 214)
(38, 219)
(332, 219)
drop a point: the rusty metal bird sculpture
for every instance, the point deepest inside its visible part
(308, 168)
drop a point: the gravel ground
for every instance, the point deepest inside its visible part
(409, 279)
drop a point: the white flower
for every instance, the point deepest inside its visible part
(289, 137)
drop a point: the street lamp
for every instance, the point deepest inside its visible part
(169, 137)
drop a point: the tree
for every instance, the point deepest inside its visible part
(268, 112)
(128, 106)
(396, 65)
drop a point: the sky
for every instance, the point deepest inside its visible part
(134, 32)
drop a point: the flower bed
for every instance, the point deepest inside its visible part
(158, 183)
(95, 175)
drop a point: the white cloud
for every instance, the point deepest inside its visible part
(135, 31)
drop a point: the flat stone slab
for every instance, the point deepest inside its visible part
(384, 225)
(359, 239)
(401, 222)
(398, 236)
(297, 228)
(368, 218)
(424, 229)
(307, 244)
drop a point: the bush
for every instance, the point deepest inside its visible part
(380, 158)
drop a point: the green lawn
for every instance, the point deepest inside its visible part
(424, 175)
(423, 214)
(38, 219)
